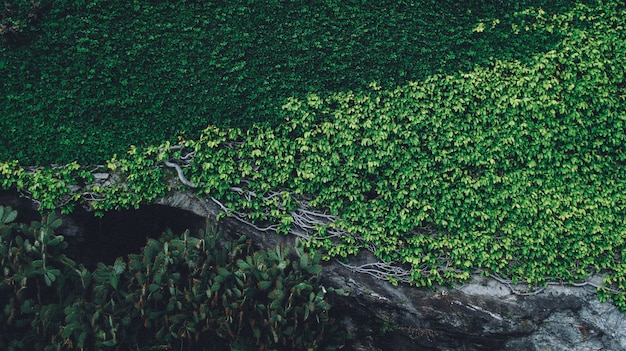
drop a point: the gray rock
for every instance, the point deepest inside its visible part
(481, 315)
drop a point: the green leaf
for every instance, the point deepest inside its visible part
(243, 265)
(7, 214)
(153, 287)
(49, 278)
(109, 343)
(119, 266)
(224, 273)
(52, 222)
(27, 307)
(264, 285)
(304, 261)
(315, 269)
(55, 241)
(114, 281)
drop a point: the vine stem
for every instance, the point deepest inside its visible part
(306, 222)
(510, 285)
(181, 175)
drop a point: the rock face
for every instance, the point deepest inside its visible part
(481, 315)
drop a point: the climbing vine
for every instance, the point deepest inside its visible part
(514, 170)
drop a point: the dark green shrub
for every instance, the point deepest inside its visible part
(181, 292)
(37, 279)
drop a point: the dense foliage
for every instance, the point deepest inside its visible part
(515, 168)
(89, 78)
(17, 19)
(182, 292)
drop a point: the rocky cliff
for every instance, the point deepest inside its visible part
(483, 315)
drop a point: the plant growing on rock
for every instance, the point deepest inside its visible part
(513, 170)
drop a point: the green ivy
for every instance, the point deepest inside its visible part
(95, 77)
(514, 169)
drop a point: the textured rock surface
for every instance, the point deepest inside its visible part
(482, 315)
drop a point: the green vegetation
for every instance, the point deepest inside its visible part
(514, 168)
(181, 292)
(90, 78)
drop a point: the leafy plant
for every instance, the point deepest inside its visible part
(100, 76)
(37, 278)
(200, 293)
(514, 169)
